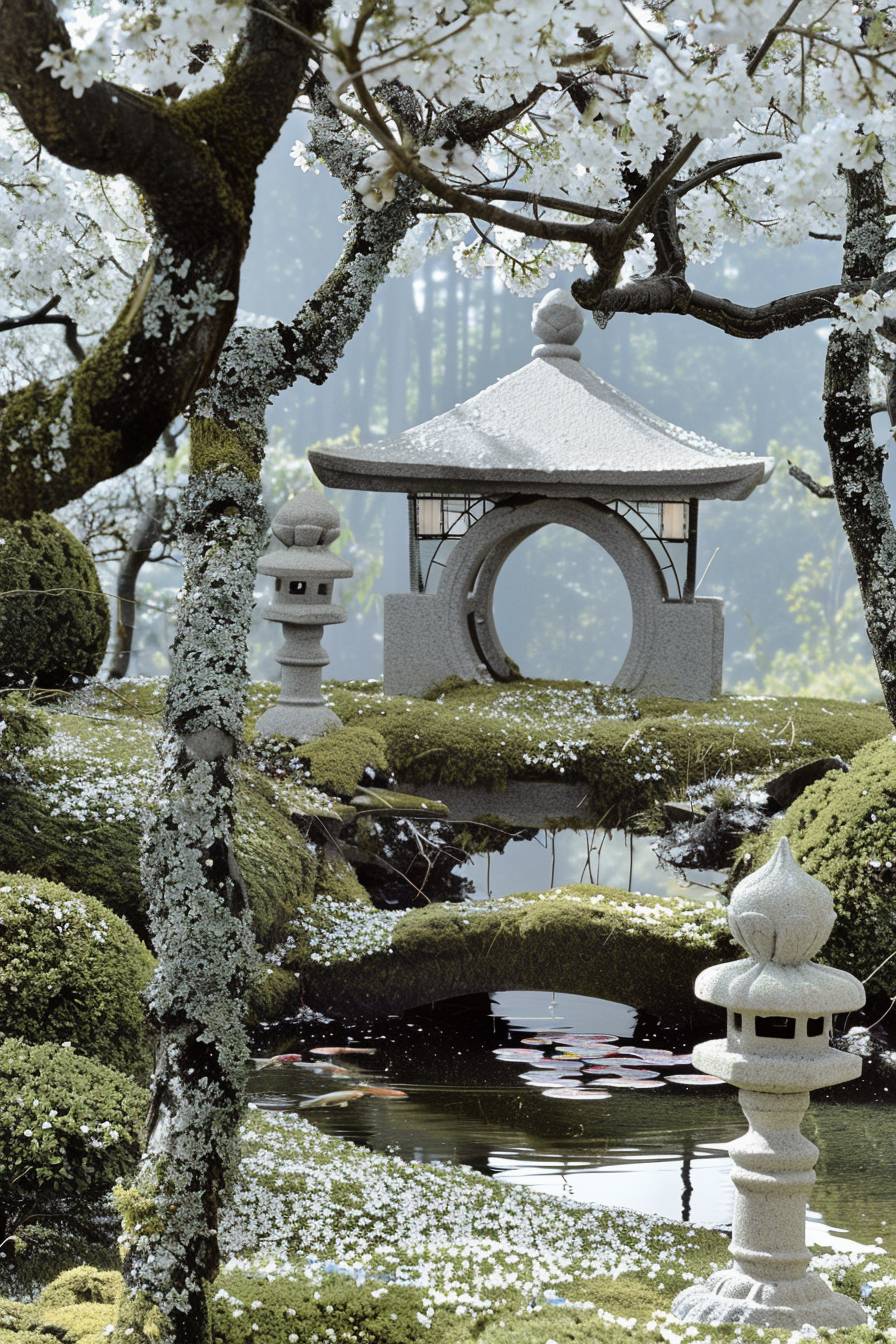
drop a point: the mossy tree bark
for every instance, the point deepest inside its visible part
(199, 918)
(857, 461)
(201, 927)
(195, 164)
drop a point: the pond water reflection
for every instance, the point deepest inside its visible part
(609, 858)
(659, 1151)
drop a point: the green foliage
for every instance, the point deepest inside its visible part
(54, 619)
(631, 753)
(22, 727)
(72, 971)
(84, 1283)
(69, 1128)
(841, 830)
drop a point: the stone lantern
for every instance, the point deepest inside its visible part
(777, 1050)
(304, 572)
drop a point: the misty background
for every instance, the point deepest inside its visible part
(793, 617)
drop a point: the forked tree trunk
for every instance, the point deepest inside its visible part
(857, 462)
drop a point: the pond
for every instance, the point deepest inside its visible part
(609, 858)
(659, 1149)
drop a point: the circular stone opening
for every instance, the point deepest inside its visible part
(562, 608)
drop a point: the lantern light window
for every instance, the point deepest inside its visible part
(778, 1028)
(297, 587)
(323, 589)
(815, 1026)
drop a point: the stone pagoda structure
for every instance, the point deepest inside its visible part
(550, 443)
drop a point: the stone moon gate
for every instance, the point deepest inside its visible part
(550, 444)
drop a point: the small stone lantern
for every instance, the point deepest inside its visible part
(305, 573)
(777, 1050)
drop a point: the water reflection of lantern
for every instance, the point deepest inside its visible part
(777, 1050)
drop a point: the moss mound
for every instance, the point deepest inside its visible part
(22, 728)
(72, 971)
(841, 830)
(630, 753)
(640, 950)
(54, 619)
(69, 1128)
(78, 816)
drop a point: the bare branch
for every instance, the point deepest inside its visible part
(822, 491)
(45, 316)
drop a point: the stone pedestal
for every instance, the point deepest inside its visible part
(767, 1285)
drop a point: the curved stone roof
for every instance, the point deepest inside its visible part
(551, 427)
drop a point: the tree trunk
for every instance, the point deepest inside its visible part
(857, 462)
(145, 535)
(201, 926)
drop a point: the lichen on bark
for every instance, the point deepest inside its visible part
(857, 460)
(198, 912)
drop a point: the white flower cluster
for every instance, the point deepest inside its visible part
(77, 775)
(151, 44)
(342, 931)
(820, 100)
(471, 1245)
(68, 913)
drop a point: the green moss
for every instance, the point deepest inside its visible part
(337, 761)
(841, 830)
(69, 1128)
(629, 752)
(78, 817)
(83, 1284)
(644, 951)
(72, 971)
(22, 728)
(214, 447)
(79, 1324)
(54, 619)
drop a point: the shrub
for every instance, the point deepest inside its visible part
(72, 971)
(69, 1128)
(841, 831)
(54, 619)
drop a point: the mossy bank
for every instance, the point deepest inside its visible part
(331, 1244)
(841, 830)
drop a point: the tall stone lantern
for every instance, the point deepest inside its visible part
(304, 572)
(777, 1050)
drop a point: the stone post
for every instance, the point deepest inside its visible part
(305, 572)
(777, 1050)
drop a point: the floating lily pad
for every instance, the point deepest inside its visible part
(694, 1079)
(577, 1094)
(627, 1082)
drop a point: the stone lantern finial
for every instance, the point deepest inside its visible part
(557, 322)
(780, 913)
(780, 1007)
(305, 572)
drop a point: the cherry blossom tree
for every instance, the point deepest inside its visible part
(658, 134)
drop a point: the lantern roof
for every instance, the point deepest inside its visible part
(782, 917)
(303, 529)
(553, 427)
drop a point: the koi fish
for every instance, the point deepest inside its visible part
(342, 1050)
(296, 1062)
(370, 1091)
(331, 1099)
